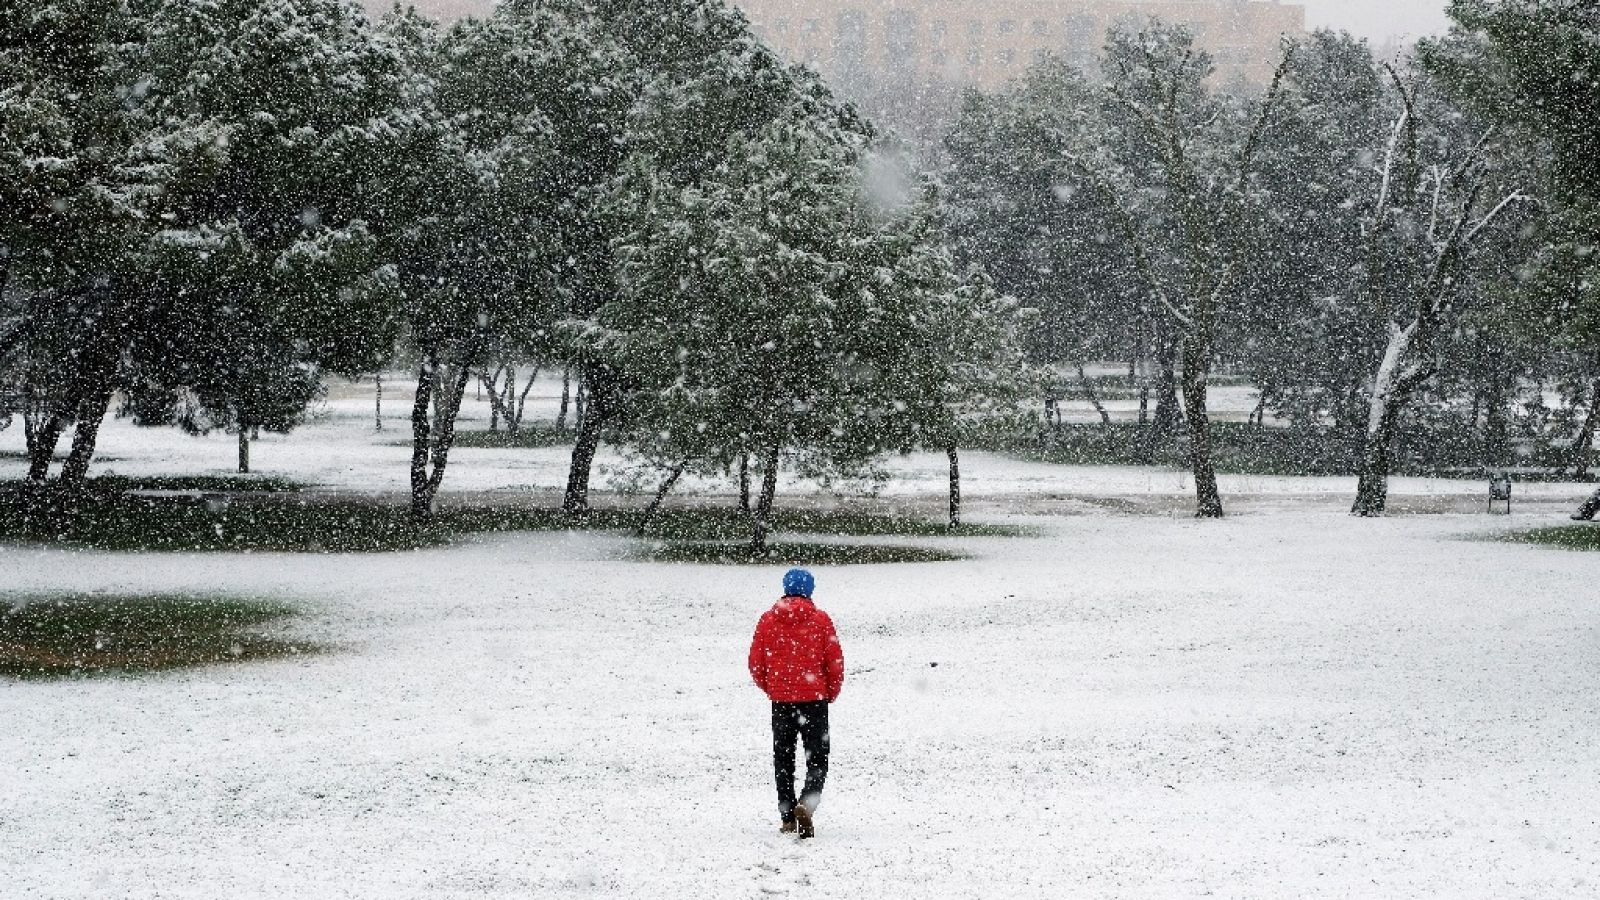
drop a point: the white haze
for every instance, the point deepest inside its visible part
(1378, 20)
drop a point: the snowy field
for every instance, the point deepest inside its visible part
(1288, 703)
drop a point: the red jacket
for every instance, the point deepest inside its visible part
(795, 656)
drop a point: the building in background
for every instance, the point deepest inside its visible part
(983, 43)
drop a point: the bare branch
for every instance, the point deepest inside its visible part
(1404, 121)
(1493, 214)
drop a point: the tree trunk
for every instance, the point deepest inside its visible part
(761, 523)
(955, 485)
(1208, 499)
(42, 447)
(744, 483)
(421, 437)
(506, 399)
(377, 403)
(1372, 489)
(496, 403)
(1164, 424)
(1391, 391)
(1167, 415)
(87, 433)
(593, 413)
(661, 496)
(1094, 397)
(1497, 420)
(1583, 448)
(244, 450)
(431, 449)
(566, 399)
(522, 400)
(1144, 398)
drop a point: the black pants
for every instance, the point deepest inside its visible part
(808, 722)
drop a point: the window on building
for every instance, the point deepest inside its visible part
(1041, 28)
(813, 26)
(850, 44)
(1007, 26)
(1006, 56)
(938, 30)
(974, 30)
(1040, 55)
(781, 26)
(1080, 32)
(900, 33)
(974, 57)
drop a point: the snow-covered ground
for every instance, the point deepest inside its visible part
(1288, 703)
(341, 450)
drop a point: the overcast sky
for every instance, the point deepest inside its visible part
(1378, 19)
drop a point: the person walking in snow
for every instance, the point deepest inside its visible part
(795, 658)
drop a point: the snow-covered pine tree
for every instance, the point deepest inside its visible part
(705, 84)
(775, 311)
(230, 210)
(73, 189)
(490, 200)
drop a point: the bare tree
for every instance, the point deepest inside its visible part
(1429, 216)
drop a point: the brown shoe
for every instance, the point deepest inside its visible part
(787, 827)
(802, 818)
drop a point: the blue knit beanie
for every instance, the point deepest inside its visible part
(798, 583)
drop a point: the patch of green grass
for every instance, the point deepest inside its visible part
(529, 436)
(53, 636)
(121, 522)
(711, 524)
(1566, 537)
(720, 553)
(263, 521)
(221, 484)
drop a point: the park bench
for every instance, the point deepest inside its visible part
(1500, 491)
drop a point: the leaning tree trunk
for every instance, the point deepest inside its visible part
(597, 404)
(761, 522)
(955, 485)
(1094, 397)
(1208, 499)
(661, 496)
(42, 447)
(1583, 448)
(76, 469)
(521, 406)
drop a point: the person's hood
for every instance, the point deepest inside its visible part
(794, 609)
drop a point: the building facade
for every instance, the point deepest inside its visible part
(986, 42)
